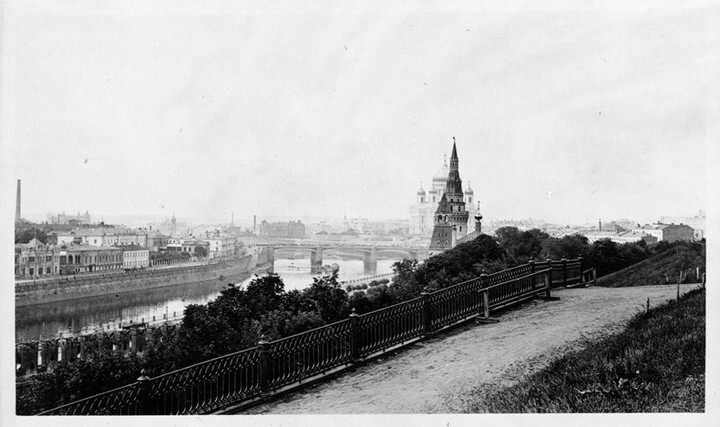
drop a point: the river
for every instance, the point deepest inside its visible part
(88, 315)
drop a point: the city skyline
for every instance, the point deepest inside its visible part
(561, 114)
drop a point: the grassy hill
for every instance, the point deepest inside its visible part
(656, 365)
(661, 269)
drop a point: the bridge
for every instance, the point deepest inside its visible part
(369, 252)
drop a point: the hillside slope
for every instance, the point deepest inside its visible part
(661, 269)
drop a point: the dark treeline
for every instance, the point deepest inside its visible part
(239, 318)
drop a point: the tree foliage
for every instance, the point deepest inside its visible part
(238, 318)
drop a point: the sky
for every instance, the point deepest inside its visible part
(333, 108)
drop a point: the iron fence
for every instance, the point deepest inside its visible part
(260, 371)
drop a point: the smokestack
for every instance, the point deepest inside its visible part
(232, 219)
(599, 224)
(254, 222)
(17, 203)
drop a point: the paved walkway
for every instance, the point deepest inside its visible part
(430, 376)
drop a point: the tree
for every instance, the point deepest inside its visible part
(200, 251)
(405, 283)
(568, 247)
(26, 235)
(521, 246)
(331, 300)
(264, 294)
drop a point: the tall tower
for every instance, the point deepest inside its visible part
(17, 203)
(451, 217)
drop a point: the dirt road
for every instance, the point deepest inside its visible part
(430, 376)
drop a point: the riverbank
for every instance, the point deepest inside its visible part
(75, 287)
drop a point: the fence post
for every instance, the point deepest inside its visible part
(427, 313)
(594, 272)
(143, 393)
(703, 280)
(564, 264)
(355, 338)
(264, 349)
(548, 281)
(580, 265)
(531, 263)
(550, 266)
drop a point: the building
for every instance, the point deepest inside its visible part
(426, 203)
(451, 219)
(292, 229)
(35, 258)
(88, 258)
(697, 222)
(134, 257)
(667, 232)
(221, 246)
(102, 236)
(154, 240)
(620, 237)
(74, 219)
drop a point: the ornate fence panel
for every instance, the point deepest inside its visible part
(241, 376)
(502, 292)
(206, 386)
(455, 303)
(390, 326)
(573, 271)
(509, 274)
(120, 401)
(303, 355)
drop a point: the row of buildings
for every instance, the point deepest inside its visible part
(35, 258)
(650, 234)
(84, 250)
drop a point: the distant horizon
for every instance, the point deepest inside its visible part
(246, 221)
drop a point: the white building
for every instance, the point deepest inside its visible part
(422, 212)
(221, 246)
(135, 256)
(102, 237)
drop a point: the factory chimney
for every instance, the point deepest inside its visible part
(17, 203)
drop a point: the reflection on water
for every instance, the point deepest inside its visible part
(87, 315)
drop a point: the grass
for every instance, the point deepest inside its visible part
(660, 269)
(657, 364)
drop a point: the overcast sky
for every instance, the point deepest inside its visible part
(559, 113)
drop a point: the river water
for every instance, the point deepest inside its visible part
(108, 312)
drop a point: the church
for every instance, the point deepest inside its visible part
(445, 214)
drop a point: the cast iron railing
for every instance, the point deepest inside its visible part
(254, 374)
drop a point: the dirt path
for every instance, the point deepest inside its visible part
(427, 376)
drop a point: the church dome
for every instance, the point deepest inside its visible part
(442, 174)
(421, 192)
(469, 191)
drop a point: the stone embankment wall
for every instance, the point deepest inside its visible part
(41, 356)
(65, 288)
